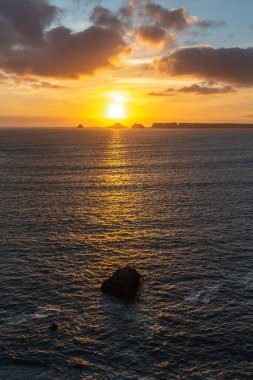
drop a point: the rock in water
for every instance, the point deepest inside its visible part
(53, 327)
(123, 283)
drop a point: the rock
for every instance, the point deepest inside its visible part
(53, 327)
(80, 126)
(117, 126)
(123, 283)
(137, 126)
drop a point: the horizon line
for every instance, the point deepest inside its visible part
(155, 125)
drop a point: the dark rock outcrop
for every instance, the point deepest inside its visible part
(123, 283)
(164, 125)
(80, 126)
(200, 125)
(117, 126)
(53, 327)
(137, 126)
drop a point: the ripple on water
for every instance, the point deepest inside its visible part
(75, 206)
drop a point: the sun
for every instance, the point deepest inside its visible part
(116, 110)
(116, 106)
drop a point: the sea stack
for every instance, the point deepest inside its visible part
(80, 126)
(137, 126)
(124, 283)
(117, 126)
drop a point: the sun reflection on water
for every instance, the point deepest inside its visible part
(117, 213)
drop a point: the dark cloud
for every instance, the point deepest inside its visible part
(67, 54)
(233, 65)
(29, 46)
(153, 35)
(168, 92)
(35, 83)
(126, 15)
(158, 23)
(120, 20)
(177, 19)
(104, 17)
(31, 82)
(25, 21)
(203, 88)
(210, 24)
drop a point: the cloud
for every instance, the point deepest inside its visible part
(32, 44)
(104, 17)
(203, 88)
(35, 83)
(232, 65)
(168, 92)
(2, 77)
(177, 19)
(206, 24)
(67, 54)
(154, 36)
(120, 20)
(154, 24)
(14, 79)
(24, 22)
(29, 46)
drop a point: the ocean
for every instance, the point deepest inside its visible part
(78, 203)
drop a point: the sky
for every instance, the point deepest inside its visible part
(65, 62)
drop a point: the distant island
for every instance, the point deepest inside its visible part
(137, 126)
(117, 126)
(175, 125)
(199, 125)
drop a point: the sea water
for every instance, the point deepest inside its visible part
(78, 203)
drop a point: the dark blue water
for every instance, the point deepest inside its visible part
(76, 204)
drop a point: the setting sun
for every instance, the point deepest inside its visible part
(116, 111)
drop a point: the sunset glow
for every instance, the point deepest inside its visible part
(150, 61)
